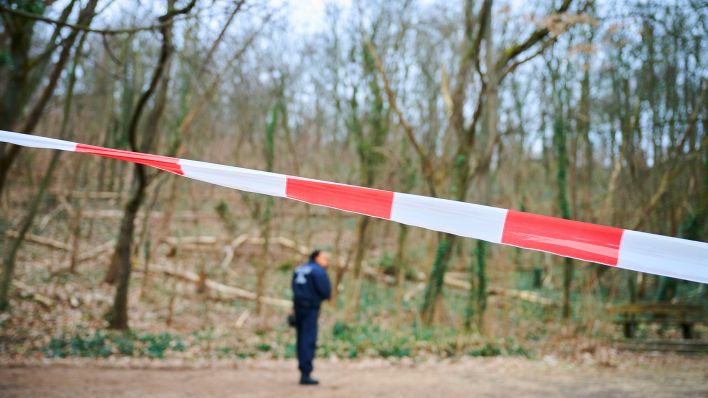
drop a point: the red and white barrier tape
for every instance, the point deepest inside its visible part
(638, 251)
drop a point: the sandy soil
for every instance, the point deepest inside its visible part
(493, 377)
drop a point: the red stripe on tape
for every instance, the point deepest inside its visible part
(372, 202)
(161, 162)
(576, 239)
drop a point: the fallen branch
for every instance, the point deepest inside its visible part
(193, 240)
(115, 213)
(230, 250)
(191, 215)
(523, 295)
(224, 292)
(97, 251)
(451, 279)
(49, 217)
(291, 244)
(30, 293)
(93, 194)
(40, 240)
(203, 242)
(63, 202)
(241, 320)
(417, 288)
(519, 294)
(304, 251)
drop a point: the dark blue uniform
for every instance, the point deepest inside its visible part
(310, 287)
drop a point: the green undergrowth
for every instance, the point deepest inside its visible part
(353, 341)
(101, 344)
(341, 341)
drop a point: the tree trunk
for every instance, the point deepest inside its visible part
(400, 266)
(353, 304)
(162, 232)
(559, 140)
(8, 264)
(265, 224)
(490, 116)
(8, 155)
(481, 254)
(122, 262)
(470, 306)
(338, 265)
(11, 251)
(76, 234)
(437, 275)
(262, 273)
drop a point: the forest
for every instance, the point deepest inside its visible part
(587, 110)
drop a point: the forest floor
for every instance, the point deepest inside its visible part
(480, 377)
(187, 343)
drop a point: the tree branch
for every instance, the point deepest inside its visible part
(469, 57)
(424, 158)
(538, 35)
(520, 62)
(219, 38)
(86, 28)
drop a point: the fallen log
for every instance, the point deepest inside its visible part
(193, 240)
(291, 244)
(241, 320)
(417, 288)
(49, 217)
(223, 292)
(40, 240)
(64, 203)
(30, 293)
(450, 278)
(230, 250)
(114, 213)
(203, 242)
(304, 251)
(519, 294)
(96, 194)
(97, 251)
(531, 297)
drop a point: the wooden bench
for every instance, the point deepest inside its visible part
(684, 315)
(688, 347)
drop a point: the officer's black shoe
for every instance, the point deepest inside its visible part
(306, 380)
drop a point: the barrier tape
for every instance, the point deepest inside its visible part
(623, 248)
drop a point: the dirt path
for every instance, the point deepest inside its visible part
(495, 377)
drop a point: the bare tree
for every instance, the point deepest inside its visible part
(21, 83)
(121, 263)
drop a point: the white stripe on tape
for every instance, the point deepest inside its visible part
(459, 218)
(235, 177)
(663, 255)
(35, 141)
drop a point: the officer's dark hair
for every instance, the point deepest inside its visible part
(313, 256)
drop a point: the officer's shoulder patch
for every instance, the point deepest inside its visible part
(300, 273)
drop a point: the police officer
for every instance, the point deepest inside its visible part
(310, 286)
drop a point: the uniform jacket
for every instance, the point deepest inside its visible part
(310, 285)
